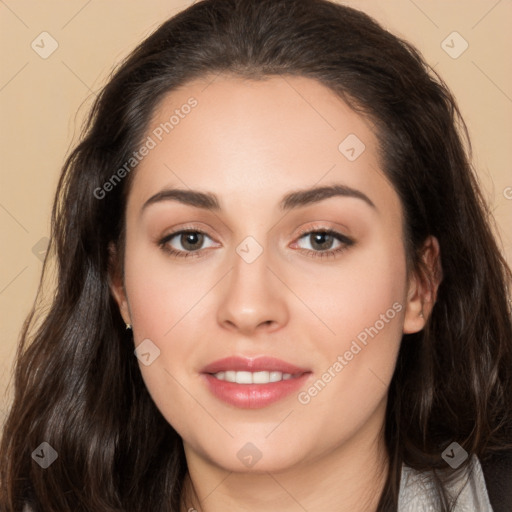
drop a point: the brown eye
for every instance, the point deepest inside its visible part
(185, 243)
(321, 241)
(325, 242)
(192, 240)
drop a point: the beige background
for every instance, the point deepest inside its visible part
(42, 103)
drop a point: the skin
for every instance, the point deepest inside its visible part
(250, 143)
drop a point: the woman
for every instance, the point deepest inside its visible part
(277, 284)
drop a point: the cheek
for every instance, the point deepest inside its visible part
(350, 297)
(161, 293)
(362, 304)
(162, 302)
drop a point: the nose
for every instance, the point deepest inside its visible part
(253, 298)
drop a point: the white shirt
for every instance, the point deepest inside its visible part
(417, 490)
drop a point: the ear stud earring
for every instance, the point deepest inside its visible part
(128, 326)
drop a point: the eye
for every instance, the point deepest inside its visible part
(184, 243)
(190, 243)
(322, 241)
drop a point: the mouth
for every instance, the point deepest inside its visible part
(264, 377)
(253, 383)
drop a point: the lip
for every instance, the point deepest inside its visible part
(241, 364)
(253, 396)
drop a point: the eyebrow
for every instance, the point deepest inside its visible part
(293, 200)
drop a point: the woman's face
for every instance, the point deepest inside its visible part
(255, 291)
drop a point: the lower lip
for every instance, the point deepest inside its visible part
(253, 396)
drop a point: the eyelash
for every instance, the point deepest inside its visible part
(346, 241)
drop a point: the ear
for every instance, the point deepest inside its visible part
(116, 283)
(422, 287)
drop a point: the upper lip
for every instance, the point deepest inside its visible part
(258, 364)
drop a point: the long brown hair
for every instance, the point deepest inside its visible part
(77, 383)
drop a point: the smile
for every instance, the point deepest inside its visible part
(244, 377)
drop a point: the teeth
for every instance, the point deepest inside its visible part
(243, 378)
(260, 378)
(252, 377)
(275, 376)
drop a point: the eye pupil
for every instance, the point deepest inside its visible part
(320, 239)
(191, 241)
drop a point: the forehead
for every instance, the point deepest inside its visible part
(239, 136)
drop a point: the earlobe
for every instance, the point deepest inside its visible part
(116, 284)
(423, 285)
(414, 319)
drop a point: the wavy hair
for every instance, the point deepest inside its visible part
(77, 383)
